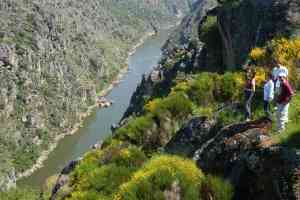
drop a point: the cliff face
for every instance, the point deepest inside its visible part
(54, 57)
(246, 24)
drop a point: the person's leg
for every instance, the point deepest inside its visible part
(282, 117)
(247, 107)
(267, 109)
(249, 102)
(279, 123)
(285, 115)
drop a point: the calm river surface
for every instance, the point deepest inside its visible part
(97, 126)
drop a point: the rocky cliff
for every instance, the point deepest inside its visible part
(55, 56)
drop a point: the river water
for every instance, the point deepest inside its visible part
(97, 126)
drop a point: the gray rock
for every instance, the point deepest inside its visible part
(63, 178)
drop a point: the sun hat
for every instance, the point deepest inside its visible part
(282, 74)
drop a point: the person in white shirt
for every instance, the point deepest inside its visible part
(268, 95)
(278, 69)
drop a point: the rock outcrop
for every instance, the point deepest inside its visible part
(257, 171)
(64, 178)
(191, 136)
(244, 154)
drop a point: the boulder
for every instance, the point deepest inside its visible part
(191, 136)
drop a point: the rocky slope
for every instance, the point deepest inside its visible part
(55, 56)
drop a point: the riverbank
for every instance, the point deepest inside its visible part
(82, 116)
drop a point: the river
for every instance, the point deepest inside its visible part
(97, 126)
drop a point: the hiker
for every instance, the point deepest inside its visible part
(278, 68)
(249, 92)
(282, 100)
(268, 95)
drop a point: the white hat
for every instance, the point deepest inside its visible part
(282, 74)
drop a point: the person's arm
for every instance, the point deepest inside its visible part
(253, 84)
(288, 92)
(271, 91)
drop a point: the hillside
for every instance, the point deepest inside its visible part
(184, 135)
(55, 57)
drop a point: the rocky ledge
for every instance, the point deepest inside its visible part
(245, 155)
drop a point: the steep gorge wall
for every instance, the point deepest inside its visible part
(54, 57)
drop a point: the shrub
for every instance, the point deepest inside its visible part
(260, 76)
(153, 105)
(102, 172)
(177, 104)
(286, 51)
(216, 188)
(258, 54)
(230, 87)
(182, 86)
(158, 175)
(201, 90)
(135, 129)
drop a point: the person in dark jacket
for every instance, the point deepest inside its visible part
(283, 99)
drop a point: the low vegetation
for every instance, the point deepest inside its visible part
(102, 172)
(159, 175)
(134, 178)
(20, 194)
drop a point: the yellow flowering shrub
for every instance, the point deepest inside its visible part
(101, 172)
(258, 54)
(229, 87)
(158, 175)
(285, 51)
(260, 76)
(152, 105)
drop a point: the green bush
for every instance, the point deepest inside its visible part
(103, 171)
(158, 175)
(216, 188)
(177, 104)
(202, 88)
(135, 130)
(231, 87)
